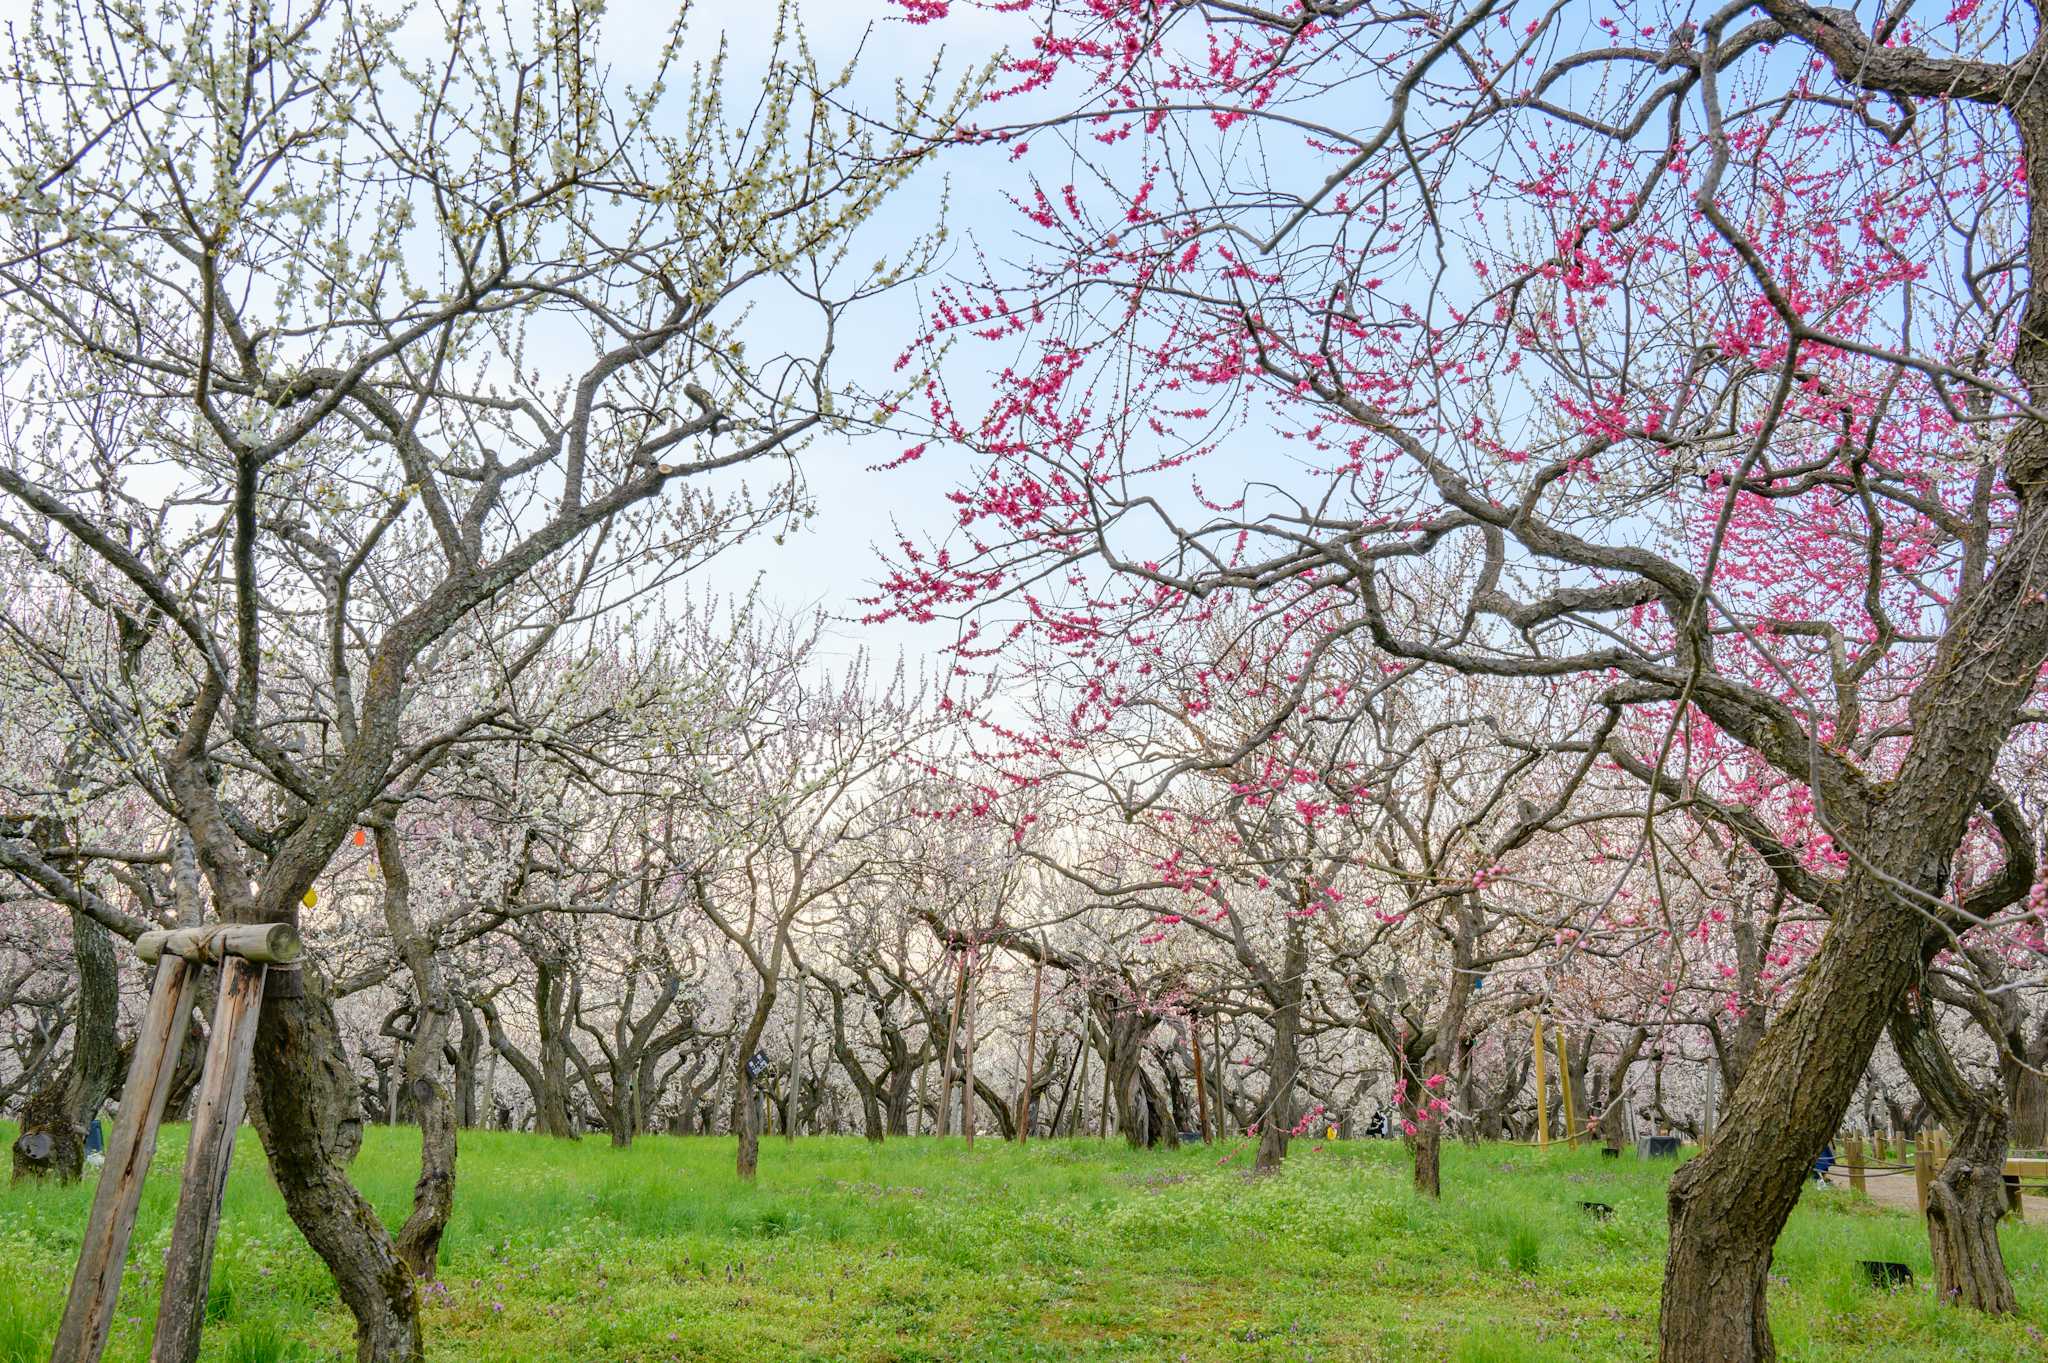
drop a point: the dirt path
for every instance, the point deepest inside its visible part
(1896, 1191)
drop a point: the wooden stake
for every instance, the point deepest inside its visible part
(923, 1092)
(967, 1081)
(1080, 1117)
(1542, 1090)
(1030, 1057)
(210, 1151)
(1564, 1087)
(1201, 1087)
(1102, 1123)
(946, 1056)
(1923, 1169)
(1853, 1149)
(96, 1282)
(796, 1063)
(1222, 1107)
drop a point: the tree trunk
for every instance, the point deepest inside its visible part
(947, 1054)
(746, 1118)
(466, 1058)
(1080, 1083)
(433, 1194)
(1426, 1149)
(308, 1113)
(2029, 1093)
(1614, 1110)
(967, 1090)
(1964, 1204)
(792, 1116)
(897, 1110)
(1967, 1198)
(1276, 1123)
(872, 1124)
(1728, 1205)
(51, 1142)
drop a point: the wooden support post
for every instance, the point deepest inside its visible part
(1201, 1085)
(796, 1063)
(1542, 1089)
(223, 1085)
(1222, 1107)
(1030, 1057)
(1883, 1149)
(967, 1079)
(2020, 1175)
(1923, 1169)
(1853, 1150)
(923, 1093)
(1076, 1122)
(946, 1055)
(1102, 1122)
(95, 1283)
(1564, 1086)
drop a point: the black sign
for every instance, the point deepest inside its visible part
(757, 1064)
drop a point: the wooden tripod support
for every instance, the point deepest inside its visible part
(245, 954)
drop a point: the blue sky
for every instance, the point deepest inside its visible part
(835, 559)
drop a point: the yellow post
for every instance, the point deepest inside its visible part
(1542, 1089)
(1564, 1087)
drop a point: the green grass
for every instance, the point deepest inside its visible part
(1065, 1250)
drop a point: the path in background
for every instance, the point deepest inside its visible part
(1896, 1191)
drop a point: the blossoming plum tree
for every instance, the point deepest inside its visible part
(1693, 352)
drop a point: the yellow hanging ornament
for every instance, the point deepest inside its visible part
(310, 898)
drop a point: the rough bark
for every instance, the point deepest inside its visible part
(2028, 1091)
(51, 1142)
(1964, 1204)
(310, 1120)
(1967, 1196)
(1283, 1065)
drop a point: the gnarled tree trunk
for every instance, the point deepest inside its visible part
(1964, 1204)
(1967, 1198)
(51, 1142)
(307, 1110)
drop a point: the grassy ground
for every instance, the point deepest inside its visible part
(1066, 1250)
